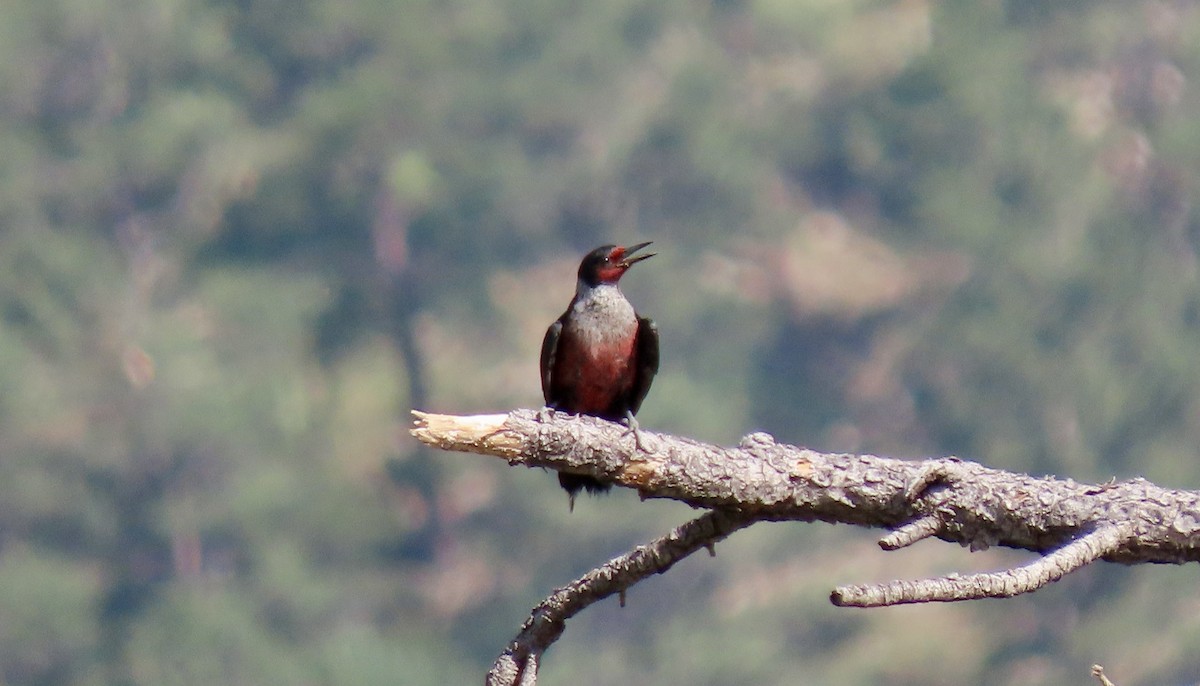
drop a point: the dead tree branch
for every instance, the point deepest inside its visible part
(1003, 584)
(1098, 672)
(1069, 523)
(518, 663)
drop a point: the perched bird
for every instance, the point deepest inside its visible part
(600, 357)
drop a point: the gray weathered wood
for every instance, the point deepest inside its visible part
(1072, 524)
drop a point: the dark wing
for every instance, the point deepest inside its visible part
(647, 362)
(549, 352)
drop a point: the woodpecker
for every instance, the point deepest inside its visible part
(600, 356)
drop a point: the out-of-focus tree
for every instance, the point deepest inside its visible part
(240, 239)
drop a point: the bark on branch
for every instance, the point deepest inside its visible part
(1071, 524)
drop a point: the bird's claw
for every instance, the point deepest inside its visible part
(632, 425)
(545, 414)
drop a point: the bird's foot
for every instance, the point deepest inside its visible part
(632, 423)
(545, 414)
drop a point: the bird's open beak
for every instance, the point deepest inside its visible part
(628, 258)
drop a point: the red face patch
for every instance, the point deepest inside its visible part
(613, 268)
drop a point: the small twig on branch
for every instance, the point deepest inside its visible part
(1010, 582)
(910, 533)
(518, 663)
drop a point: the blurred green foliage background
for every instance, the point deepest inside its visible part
(240, 239)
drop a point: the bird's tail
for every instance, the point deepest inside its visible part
(574, 483)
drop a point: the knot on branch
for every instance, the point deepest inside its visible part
(758, 439)
(932, 474)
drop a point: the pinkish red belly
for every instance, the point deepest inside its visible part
(595, 383)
